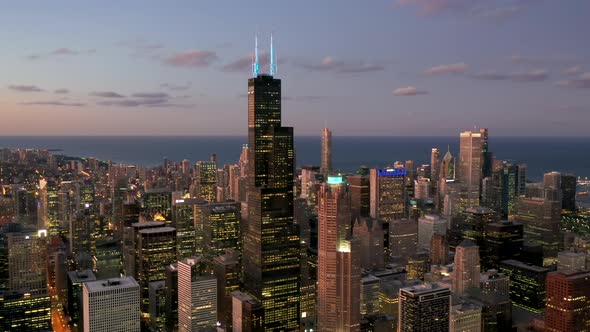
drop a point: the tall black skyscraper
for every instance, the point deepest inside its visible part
(271, 257)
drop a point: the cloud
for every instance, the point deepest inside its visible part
(575, 70)
(60, 52)
(535, 75)
(143, 102)
(106, 94)
(328, 63)
(455, 69)
(61, 91)
(25, 88)
(408, 91)
(53, 103)
(580, 82)
(151, 95)
(486, 9)
(191, 58)
(176, 87)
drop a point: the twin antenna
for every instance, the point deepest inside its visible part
(256, 63)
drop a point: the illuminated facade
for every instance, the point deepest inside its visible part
(21, 311)
(206, 178)
(568, 302)
(503, 240)
(49, 212)
(471, 162)
(154, 250)
(271, 257)
(507, 184)
(467, 267)
(226, 269)
(221, 228)
(424, 308)
(359, 195)
(27, 259)
(158, 201)
(197, 296)
(338, 263)
(465, 317)
(527, 284)
(183, 219)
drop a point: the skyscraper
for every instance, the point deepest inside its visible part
(471, 163)
(527, 284)
(27, 269)
(221, 228)
(403, 237)
(388, 198)
(197, 296)
(428, 226)
(206, 179)
(434, 165)
(359, 195)
(503, 240)
(568, 191)
(370, 235)
(247, 313)
(271, 258)
(326, 167)
(424, 308)
(338, 291)
(111, 305)
(467, 268)
(568, 302)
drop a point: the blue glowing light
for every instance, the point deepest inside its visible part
(334, 180)
(392, 172)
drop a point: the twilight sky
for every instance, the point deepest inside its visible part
(373, 67)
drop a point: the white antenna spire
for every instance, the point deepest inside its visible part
(273, 64)
(255, 65)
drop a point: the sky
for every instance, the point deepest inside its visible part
(366, 68)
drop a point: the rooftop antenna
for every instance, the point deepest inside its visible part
(255, 66)
(273, 64)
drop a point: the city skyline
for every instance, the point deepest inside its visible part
(463, 64)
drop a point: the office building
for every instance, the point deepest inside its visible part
(503, 240)
(369, 233)
(470, 168)
(226, 269)
(271, 254)
(387, 194)
(467, 267)
(568, 192)
(359, 188)
(465, 316)
(428, 226)
(568, 301)
(527, 284)
(326, 167)
(247, 313)
(571, 261)
(73, 303)
(439, 250)
(434, 165)
(494, 282)
(370, 291)
(403, 237)
(111, 305)
(221, 228)
(27, 262)
(157, 305)
(48, 211)
(206, 179)
(23, 311)
(171, 302)
(157, 204)
(424, 308)
(183, 219)
(506, 187)
(476, 219)
(197, 296)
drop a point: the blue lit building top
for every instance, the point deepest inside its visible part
(396, 172)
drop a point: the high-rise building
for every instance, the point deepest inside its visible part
(221, 229)
(271, 256)
(27, 259)
(465, 317)
(568, 302)
(82, 234)
(369, 232)
(73, 304)
(370, 287)
(471, 163)
(48, 212)
(326, 167)
(568, 191)
(111, 305)
(23, 311)
(157, 203)
(476, 219)
(428, 226)
(206, 179)
(226, 269)
(571, 261)
(424, 308)
(359, 195)
(527, 284)
(337, 264)
(503, 240)
(183, 219)
(387, 194)
(494, 282)
(247, 313)
(171, 305)
(403, 237)
(197, 296)
(506, 188)
(439, 250)
(155, 249)
(467, 267)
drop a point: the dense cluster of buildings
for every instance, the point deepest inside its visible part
(464, 243)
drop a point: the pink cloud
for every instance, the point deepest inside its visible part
(191, 58)
(408, 91)
(455, 68)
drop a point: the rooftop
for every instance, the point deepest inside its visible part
(157, 230)
(110, 284)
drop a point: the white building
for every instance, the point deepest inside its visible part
(465, 317)
(197, 296)
(429, 225)
(111, 305)
(573, 261)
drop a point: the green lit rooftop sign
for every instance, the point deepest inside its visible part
(334, 180)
